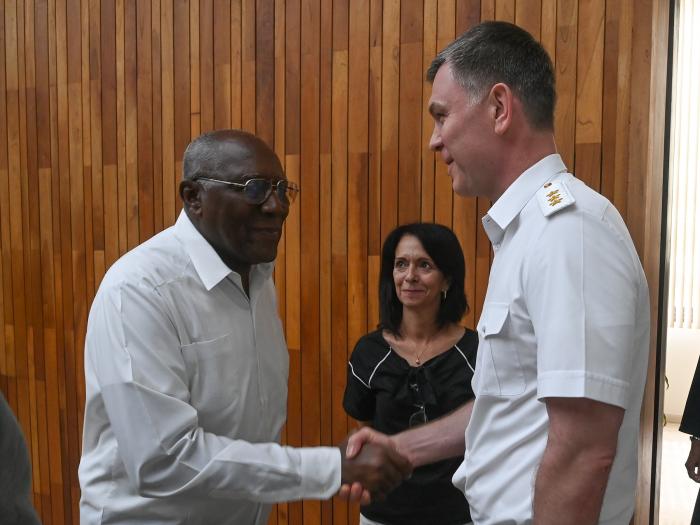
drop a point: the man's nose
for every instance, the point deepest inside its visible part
(273, 204)
(435, 140)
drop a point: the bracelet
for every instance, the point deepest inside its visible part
(694, 438)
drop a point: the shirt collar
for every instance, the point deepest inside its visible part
(519, 193)
(207, 263)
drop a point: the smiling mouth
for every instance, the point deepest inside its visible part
(267, 232)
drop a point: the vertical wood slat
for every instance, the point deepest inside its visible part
(325, 394)
(62, 476)
(309, 377)
(169, 173)
(589, 103)
(431, 19)
(446, 30)
(52, 457)
(98, 100)
(157, 91)
(36, 347)
(339, 240)
(410, 110)
(390, 116)
(4, 214)
(565, 69)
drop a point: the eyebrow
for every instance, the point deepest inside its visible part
(434, 107)
(419, 259)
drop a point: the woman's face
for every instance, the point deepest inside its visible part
(417, 279)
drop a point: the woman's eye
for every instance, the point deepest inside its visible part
(426, 265)
(400, 264)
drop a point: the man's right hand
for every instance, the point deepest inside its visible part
(373, 465)
(435, 441)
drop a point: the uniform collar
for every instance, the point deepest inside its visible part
(207, 263)
(518, 194)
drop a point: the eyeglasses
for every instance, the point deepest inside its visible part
(419, 417)
(257, 190)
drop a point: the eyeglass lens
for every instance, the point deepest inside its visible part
(258, 190)
(418, 418)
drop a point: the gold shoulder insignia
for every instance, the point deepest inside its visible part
(554, 196)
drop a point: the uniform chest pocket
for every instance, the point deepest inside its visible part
(502, 372)
(217, 373)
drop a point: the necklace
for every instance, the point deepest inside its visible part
(426, 347)
(419, 356)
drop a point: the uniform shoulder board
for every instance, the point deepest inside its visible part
(554, 196)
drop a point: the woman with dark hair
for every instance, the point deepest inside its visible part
(416, 367)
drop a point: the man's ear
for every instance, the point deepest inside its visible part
(500, 102)
(191, 195)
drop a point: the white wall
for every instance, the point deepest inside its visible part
(682, 351)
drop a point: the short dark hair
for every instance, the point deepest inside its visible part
(493, 52)
(441, 244)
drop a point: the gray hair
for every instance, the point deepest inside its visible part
(200, 155)
(494, 52)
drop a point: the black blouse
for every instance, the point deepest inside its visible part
(384, 390)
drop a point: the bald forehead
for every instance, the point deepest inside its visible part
(231, 154)
(238, 145)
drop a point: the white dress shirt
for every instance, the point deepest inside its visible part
(566, 314)
(186, 387)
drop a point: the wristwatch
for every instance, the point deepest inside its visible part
(694, 438)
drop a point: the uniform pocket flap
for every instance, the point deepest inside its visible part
(496, 315)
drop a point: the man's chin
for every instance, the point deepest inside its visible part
(462, 190)
(264, 256)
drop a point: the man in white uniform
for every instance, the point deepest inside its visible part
(186, 365)
(551, 437)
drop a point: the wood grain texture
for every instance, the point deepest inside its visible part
(99, 98)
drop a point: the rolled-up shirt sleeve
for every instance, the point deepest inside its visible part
(134, 352)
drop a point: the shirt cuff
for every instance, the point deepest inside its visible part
(568, 383)
(320, 472)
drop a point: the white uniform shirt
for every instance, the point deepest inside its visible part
(186, 384)
(566, 315)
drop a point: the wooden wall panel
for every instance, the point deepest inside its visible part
(99, 98)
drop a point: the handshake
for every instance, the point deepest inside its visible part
(371, 466)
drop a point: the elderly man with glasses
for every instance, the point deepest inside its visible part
(186, 365)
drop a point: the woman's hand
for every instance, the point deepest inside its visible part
(692, 464)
